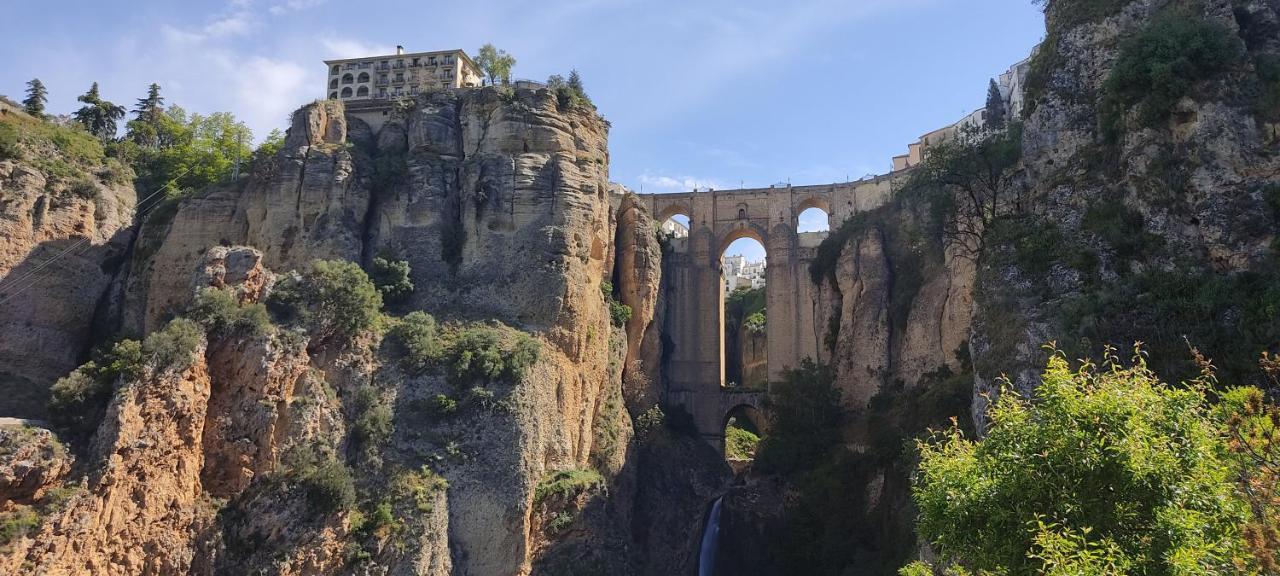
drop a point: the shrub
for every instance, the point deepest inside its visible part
(1122, 228)
(415, 340)
(740, 444)
(480, 353)
(755, 323)
(420, 486)
(442, 404)
(805, 419)
(1105, 471)
(619, 313)
(373, 424)
(84, 187)
(568, 483)
(9, 138)
(220, 313)
(332, 299)
(1162, 64)
(77, 402)
(19, 522)
(173, 347)
(1268, 104)
(392, 279)
(324, 479)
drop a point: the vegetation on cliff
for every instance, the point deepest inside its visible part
(1105, 470)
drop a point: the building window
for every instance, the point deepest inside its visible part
(346, 92)
(399, 77)
(364, 77)
(347, 79)
(362, 91)
(382, 93)
(335, 70)
(333, 83)
(333, 95)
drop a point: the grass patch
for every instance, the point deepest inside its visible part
(568, 484)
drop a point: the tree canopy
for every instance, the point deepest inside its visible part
(1105, 471)
(996, 113)
(495, 63)
(98, 116)
(37, 97)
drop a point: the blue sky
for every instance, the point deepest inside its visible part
(709, 93)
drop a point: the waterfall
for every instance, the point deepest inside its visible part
(710, 542)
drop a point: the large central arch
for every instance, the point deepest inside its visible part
(695, 367)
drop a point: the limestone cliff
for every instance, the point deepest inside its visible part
(59, 201)
(499, 203)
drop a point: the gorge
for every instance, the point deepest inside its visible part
(451, 345)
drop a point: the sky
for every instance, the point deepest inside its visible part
(705, 93)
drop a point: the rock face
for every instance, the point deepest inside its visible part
(32, 461)
(637, 274)
(502, 211)
(500, 204)
(1190, 188)
(60, 244)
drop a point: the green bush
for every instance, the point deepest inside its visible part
(420, 486)
(619, 313)
(78, 401)
(1268, 69)
(442, 404)
(173, 347)
(324, 480)
(1122, 228)
(18, 522)
(9, 138)
(1105, 471)
(480, 353)
(755, 323)
(1163, 63)
(568, 484)
(740, 444)
(374, 420)
(221, 314)
(332, 299)
(805, 420)
(392, 279)
(415, 341)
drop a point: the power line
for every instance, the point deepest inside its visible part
(21, 282)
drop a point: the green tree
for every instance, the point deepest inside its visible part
(271, 146)
(98, 116)
(575, 84)
(37, 97)
(995, 107)
(145, 127)
(1104, 471)
(805, 419)
(332, 299)
(495, 63)
(192, 151)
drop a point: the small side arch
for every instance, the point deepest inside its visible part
(346, 92)
(673, 209)
(362, 91)
(364, 77)
(348, 78)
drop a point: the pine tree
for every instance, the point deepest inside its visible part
(150, 108)
(995, 107)
(145, 128)
(37, 97)
(98, 116)
(574, 84)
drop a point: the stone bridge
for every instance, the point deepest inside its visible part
(695, 299)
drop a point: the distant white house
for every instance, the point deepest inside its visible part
(738, 272)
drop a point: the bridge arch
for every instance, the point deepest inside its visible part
(743, 230)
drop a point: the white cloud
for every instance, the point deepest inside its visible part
(665, 183)
(293, 6)
(266, 90)
(351, 48)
